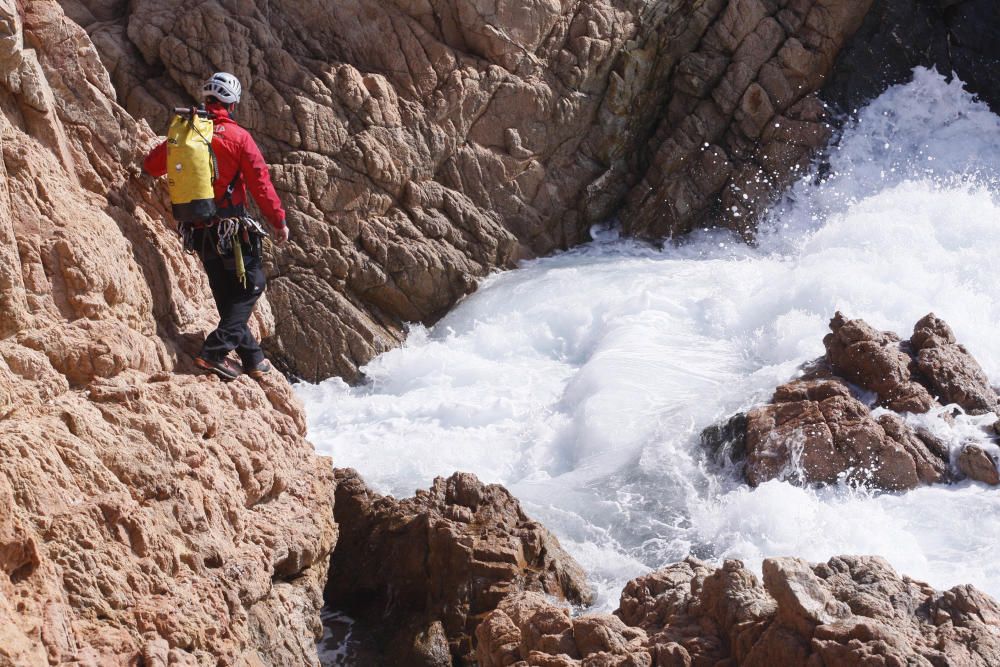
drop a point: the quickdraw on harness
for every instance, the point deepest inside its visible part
(230, 233)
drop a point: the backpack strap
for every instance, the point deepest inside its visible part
(231, 188)
(230, 210)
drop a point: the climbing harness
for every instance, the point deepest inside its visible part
(231, 234)
(227, 237)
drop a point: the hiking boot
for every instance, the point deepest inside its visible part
(260, 370)
(224, 368)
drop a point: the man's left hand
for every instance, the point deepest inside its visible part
(281, 235)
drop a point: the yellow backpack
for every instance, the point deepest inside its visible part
(191, 166)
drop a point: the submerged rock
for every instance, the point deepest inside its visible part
(421, 572)
(851, 610)
(816, 429)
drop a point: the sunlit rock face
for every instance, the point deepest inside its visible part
(148, 514)
(851, 610)
(421, 145)
(419, 574)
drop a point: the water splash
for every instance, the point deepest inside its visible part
(582, 381)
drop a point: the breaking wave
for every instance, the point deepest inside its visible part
(582, 381)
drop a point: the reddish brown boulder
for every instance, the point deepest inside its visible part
(447, 556)
(975, 463)
(815, 430)
(876, 361)
(950, 372)
(852, 610)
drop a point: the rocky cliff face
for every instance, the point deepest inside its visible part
(148, 514)
(421, 144)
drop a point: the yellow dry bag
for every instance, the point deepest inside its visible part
(191, 168)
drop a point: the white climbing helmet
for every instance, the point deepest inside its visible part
(224, 87)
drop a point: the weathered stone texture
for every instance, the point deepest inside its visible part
(423, 571)
(743, 119)
(147, 513)
(852, 610)
(420, 145)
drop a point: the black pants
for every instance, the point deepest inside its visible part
(234, 302)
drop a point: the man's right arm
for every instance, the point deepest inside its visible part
(155, 163)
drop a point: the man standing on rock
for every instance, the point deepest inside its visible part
(235, 274)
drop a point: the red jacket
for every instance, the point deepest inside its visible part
(235, 151)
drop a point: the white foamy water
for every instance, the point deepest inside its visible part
(582, 381)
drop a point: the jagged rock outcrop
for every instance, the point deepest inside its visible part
(951, 373)
(149, 516)
(878, 362)
(420, 573)
(420, 145)
(816, 430)
(852, 610)
(742, 120)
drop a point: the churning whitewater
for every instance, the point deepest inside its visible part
(582, 381)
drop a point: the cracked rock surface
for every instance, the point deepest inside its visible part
(419, 574)
(421, 144)
(149, 515)
(849, 611)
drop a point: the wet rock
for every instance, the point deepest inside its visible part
(727, 440)
(441, 559)
(149, 515)
(816, 429)
(851, 610)
(950, 372)
(876, 361)
(975, 463)
(952, 36)
(817, 432)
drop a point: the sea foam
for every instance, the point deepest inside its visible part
(582, 381)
